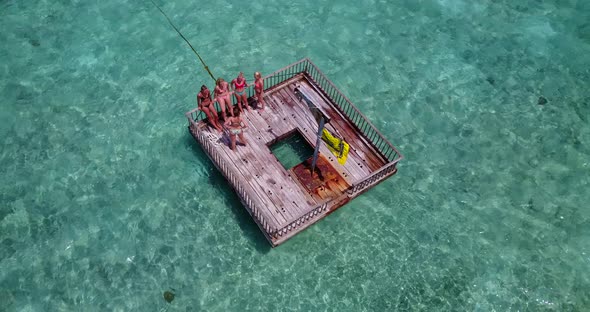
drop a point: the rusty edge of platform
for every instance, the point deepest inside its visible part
(348, 111)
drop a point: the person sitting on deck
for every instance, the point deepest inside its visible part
(206, 105)
(239, 85)
(236, 126)
(222, 95)
(259, 89)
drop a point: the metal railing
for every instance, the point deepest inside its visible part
(363, 126)
(346, 108)
(269, 81)
(317, 211)
(339, 100)
(255, 211)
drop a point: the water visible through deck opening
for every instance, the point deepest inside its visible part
(292, 150)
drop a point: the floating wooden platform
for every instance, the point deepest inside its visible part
(284, 201)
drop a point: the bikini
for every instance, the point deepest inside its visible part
(240, 86)
(222, 93)
(235, 124)
(203, 98)
(258, 87)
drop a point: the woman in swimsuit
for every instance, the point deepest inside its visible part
(236, 126)
(239, 85)
(206, 105)
(259, 89)
(222, 95)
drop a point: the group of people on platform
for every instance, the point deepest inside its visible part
(234, 124)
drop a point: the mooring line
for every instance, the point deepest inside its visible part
(187, 42)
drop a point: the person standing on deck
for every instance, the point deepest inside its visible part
(259, 89)
(239, 86)
(236, 126)
(206, 105)
(222, 96)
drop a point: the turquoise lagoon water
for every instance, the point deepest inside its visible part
(292, 150)
(106, 202)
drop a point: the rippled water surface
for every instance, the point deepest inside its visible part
(106, 201)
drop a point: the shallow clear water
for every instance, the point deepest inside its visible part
(106, 202)
(292, 150)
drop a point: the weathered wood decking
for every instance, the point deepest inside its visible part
(284, 202)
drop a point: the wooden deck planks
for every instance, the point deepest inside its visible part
(351, 167)
(261, 202)
(278, 194)
(255, 162)
(345, 128)
(282, 102)
(247, 163)
(357, 142)
(261, 163)
(348, 171)
(286, 126)
(255, 188)
(377, 160)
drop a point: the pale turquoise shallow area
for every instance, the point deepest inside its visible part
(106, 201)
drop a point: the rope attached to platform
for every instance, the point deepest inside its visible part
(187, 42)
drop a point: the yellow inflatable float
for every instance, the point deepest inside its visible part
(334, 144)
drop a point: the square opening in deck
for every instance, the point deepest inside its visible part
(291, 150)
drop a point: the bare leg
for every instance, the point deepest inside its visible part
(239, 100)
(222, 104)
(213, 110)
(227, 101)
(214, 120)
(210, 118)
(232, 138)
(245, 100)
(231, 109)
(242, 139)
(218, 125)
(260, 99)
